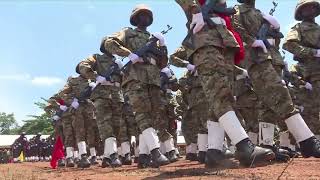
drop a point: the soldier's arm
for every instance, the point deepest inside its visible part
(292, 45)
(239, 27)
(178, 58)
(87, 68)
(116, 44)
(189, 6)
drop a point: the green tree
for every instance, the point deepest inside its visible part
(8, 123)
(38, 123)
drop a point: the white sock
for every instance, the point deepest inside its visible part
(253, 137)
(82, 148)
(231, 125)
(266, 133)
(203, 142)
(215, 135)
(284, 139)
(76, 154)
(143, 147)
(169, 144)
(162, 148)
(151, 138)
(93, 152)
(298, 128)
(125, 148)
(69, 151)
(110, 147)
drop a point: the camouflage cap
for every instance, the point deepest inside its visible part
(301, 3)
(138, 9)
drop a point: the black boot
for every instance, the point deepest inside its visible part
(93, 160)
(310, 147)
(144, 161)
(105, 162)
(202, 157)
(172, 156)
(292, 153)
(192, 157)
(126, 160)
(281, 155)
(84, 162)
(213, 158)
(158, 159)
(248, 154)
(70, 162)
(115, 161)
(61, 163)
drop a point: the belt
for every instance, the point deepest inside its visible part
(108, 83)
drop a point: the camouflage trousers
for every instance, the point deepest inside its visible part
(271, 91)
(58, 129)
(84, 123)
(148, 105)
(195, 122)
(68, 130)
(108, 117)
(128, 127)
(247, 106)
(215, 70)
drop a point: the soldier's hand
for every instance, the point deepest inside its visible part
(260, 44)
(75, 103)
(272, 20)
(191, 67)
(308, 86)
(160, 37)
(197, 22)
(135, 58)
(167, 71)
(101, 80)
(63, 107)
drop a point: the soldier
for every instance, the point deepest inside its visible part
(303, 42)
(83, 119)
(52, 108)
(64, 101)
(266, 82)
(197, 105)
(169, 84)
(18, 146)
(127, 130)
(212, 57)
(141, 80)
(108, 101)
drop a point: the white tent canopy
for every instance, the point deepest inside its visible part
(7, 140)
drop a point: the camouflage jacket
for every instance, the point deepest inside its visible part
(302, 41)
(247, 22)
(217, 36)
(130, 40)
(98, 65)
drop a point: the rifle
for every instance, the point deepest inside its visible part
(165, 81)
(207, 10)
(150, 48)
(266, 29)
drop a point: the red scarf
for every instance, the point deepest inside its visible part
(239, 56)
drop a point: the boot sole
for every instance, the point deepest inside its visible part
(259, 161)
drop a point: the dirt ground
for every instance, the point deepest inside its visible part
(296, 169)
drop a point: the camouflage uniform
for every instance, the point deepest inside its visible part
(214, 51)
(107, 98)
(303, 42)
(141, 80)
(266, 82)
